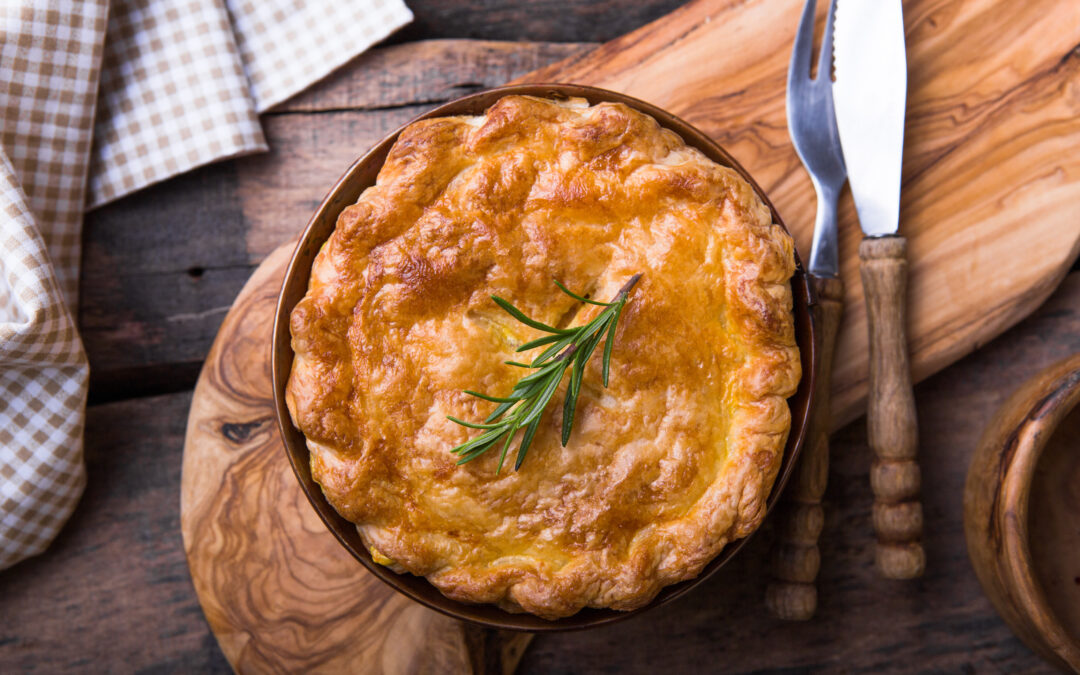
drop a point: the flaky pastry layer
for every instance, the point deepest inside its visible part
(666, 466)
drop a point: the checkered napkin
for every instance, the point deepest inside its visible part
(98, 99)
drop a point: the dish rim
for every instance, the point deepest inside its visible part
(360, 175)
(997, 512)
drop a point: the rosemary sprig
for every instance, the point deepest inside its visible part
(566, 349)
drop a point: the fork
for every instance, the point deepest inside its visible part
(792, 593)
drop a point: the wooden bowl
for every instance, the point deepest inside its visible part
(361, 175)
(1022, 513)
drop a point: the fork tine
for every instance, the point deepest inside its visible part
(825, 58)
(799, 69)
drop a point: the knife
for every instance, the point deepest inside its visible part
(870, 94)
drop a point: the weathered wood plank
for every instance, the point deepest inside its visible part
(278, 191)
(161, 267)
(241, 509)
(991, 84)
(90, 603)
(160, 270)
(113, 592)
(427, 72)
(941, 623)
(553, 20)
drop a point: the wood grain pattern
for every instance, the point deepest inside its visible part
(1008, 475)
(161, 268)
(432, 71)
(991, 170)
(244, 518)
(970, 109)
(304, 603)
(556, 20)
(890, 419)
(951, 136)
(114, 591)
(792, 594)
(154, 297)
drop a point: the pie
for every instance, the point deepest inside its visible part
(665, 466)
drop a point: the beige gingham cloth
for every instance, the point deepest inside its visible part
(97, 100)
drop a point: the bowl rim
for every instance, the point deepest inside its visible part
(361, 174)
(1056, 398)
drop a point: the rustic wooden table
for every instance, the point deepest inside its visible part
(160, 269)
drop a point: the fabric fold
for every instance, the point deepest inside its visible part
(51, 53)
(43, 384)
(98, 100)
(288, 44)
(184, 80)
(174, 96)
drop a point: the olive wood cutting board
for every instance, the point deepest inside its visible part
(990, 202)
(991, 210)
(279, 592)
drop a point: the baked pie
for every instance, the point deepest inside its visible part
(665, 466)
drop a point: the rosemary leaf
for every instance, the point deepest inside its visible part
(552, 351)
(471, 425)
(569, 407)
(499, 411)
(577, 373)
(539, 342)
(483, 439)
(493, 399)
(590, 346)
(506, 446)
(575, 296)
(609, 344)
(520, 316)
(538, 406)
(526, 440)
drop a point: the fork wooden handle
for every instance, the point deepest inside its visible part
(891, 421)
(792, 594)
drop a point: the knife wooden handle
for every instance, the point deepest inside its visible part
(792, 595)
(891, 421)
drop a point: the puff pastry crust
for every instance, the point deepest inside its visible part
(671, 462)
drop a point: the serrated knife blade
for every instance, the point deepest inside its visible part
(870, 94)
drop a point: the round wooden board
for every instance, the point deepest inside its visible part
(279, 592)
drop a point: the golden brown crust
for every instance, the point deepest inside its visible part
(665, 467)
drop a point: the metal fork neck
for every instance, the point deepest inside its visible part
(825, 252)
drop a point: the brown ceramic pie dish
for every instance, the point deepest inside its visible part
(345, 193)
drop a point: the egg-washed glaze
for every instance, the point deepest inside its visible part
(665, 466)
